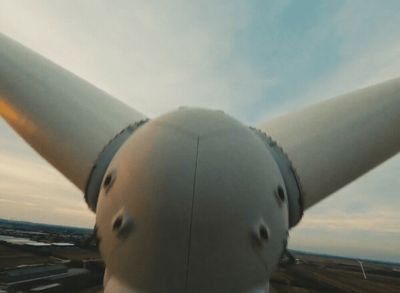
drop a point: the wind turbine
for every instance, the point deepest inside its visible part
(193, 200)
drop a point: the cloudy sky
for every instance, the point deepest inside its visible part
(253, 59)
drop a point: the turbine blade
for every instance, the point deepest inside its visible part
(64, 118)
(334, 142)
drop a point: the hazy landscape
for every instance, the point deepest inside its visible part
(49, 258)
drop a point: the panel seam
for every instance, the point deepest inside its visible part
(191, 216)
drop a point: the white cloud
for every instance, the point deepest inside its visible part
(154, 56)
(32, 190)
(361, 219)
(369, 48)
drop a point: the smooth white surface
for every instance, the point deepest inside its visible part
(336, 141)
(198, 185)
(64, 118)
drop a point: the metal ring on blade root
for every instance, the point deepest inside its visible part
(291, 179)
(99, 168)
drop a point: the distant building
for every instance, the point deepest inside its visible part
(31, 272)
(46, 288)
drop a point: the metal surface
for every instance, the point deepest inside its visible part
(103, 160)
(290, 177)
(200, 190)
(336, 141)
(64, 118)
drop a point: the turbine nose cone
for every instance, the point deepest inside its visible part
(195, 195)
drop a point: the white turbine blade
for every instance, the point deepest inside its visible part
(334, 142)
(64, 118)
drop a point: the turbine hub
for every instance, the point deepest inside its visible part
(193, 201)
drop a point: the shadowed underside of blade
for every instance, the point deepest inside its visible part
(64, 118)
(336, 141)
